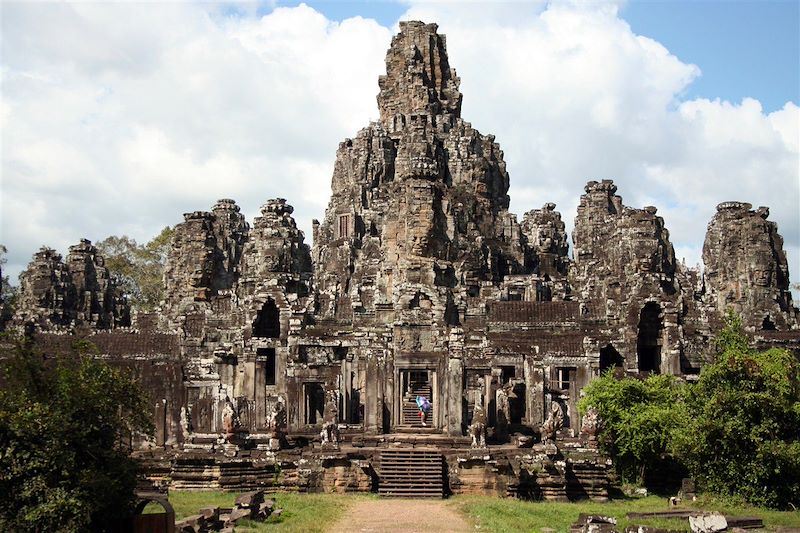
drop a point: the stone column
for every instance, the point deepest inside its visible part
(454, 381)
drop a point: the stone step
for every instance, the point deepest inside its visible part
(411, 472)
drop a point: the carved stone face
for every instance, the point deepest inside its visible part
(762, 277)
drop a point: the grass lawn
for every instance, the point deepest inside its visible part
(317, 512)
(301, 512)
(507, 515)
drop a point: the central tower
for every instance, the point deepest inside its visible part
(418, 218)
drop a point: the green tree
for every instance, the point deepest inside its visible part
(138, 268)
(64, 427)
(639, 418)
(742, 437)
(8, 293)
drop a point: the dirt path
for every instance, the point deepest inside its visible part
(401, 516)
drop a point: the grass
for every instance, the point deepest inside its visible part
(318, 512)
(506, 515)
(301, 512)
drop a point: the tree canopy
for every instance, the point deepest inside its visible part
(65, 423)
(138, 268)
(8, 293)
(737, 430)
(639, 417)
(743, 435)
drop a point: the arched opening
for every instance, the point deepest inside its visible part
(610, 358)
(148, 518)
(768, 324)
(648, 343)
(268, 321)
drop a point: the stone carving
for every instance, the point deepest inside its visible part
(590, 425)
(746, 267)
(503, 408)
(60, 295)
(230, 421)
(419, 274)
(477, 430)
(276, 423)
(330, 420)
(553, 424)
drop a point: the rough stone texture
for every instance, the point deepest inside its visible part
(420, 282)
(708, 523)
(624, 261)
(58, 295)
(746, 267)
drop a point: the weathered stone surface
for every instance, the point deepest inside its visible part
(746, 268)
(419, 81)
(708, 523)
(60, 295)
(268, 356)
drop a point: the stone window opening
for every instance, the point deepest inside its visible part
(610, 358)
(268, 321)
(565, 377)
(507, 373)
(313, 403)
(767, 324)
(344, 226)
(648, 342)
(543, 292)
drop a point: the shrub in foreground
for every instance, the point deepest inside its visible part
(63, 425)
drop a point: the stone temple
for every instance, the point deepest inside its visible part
(268, 355)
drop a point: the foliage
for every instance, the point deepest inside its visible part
(743, 435)
(63, 425)
(138, 268)
(639, 418)
(8, 294)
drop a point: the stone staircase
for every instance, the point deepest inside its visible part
(411, 418)
(411, 473)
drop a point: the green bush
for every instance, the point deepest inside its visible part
(639, 418)
(64, 423)
(743, 435)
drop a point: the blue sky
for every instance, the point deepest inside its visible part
(745, 48)
(119, 117)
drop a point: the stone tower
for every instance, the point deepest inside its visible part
(746, 268)
(418, 216)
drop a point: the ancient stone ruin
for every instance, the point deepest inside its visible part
(274, 363)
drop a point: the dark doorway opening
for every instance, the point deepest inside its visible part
(314, 400)
(768, 324)
(648, 342)
(268, 321)
(270, 366)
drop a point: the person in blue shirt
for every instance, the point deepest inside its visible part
(424, 407)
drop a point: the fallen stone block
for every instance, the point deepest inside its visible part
(594, 524)
(236, 515)
(210, 513)
(250, 499)
(191, 524)
(708, 523)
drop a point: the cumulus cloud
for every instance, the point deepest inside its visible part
(573, 94)
(117, 118)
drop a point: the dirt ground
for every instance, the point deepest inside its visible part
(401, 516)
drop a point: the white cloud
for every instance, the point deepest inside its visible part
(573, 94)
(117, 118)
